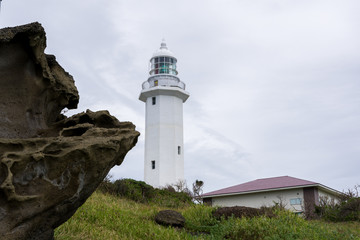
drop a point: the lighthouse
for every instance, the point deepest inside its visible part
(164, 95)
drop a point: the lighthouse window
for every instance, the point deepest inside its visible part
(179, 150)
(162, 68)
(166, 68)
(163, 65)
(153, 164)
(153, 100)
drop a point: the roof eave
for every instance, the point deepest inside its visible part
(268, 190)
(330, 190)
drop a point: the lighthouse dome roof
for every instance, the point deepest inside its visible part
(163, 51)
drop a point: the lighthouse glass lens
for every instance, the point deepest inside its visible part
(163, 65)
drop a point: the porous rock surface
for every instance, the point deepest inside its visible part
(49, 164)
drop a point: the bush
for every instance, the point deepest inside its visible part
(241, 211)
(139, 191)
(347, 209)
(200, 220)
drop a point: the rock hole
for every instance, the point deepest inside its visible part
(3, 173)
(74, 131)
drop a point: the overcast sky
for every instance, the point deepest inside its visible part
(274, 84)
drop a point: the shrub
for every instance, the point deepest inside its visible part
(285, 225)
(241, 211)
(347, 209)
(200, 219)
(139, 191)
(344, 211)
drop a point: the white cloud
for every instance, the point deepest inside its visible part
(274, 84)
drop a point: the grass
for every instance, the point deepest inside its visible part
(105, 216)
(141, 192)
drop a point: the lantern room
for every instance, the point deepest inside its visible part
(163, 62)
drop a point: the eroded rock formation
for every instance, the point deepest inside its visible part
(49, 164)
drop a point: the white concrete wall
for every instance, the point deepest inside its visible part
(163, 135)
(330, 197)
(257, 200)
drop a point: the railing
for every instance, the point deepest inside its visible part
(163, 80)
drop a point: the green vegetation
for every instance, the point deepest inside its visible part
(347, 209)
(141, 192)
(106, 216)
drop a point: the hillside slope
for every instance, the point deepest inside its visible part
(104, 216)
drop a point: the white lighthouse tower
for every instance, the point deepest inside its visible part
(164, 95)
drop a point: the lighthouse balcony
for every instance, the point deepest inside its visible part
(163, 80)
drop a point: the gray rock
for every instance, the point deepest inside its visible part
(170, 218)
(34, 87)
(49, 164)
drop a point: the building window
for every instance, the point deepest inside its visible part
(179, 150)
(295, 201)
(153, 164)
(153, 100)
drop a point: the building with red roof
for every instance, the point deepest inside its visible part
(294, 194)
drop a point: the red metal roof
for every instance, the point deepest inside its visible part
(263, 184)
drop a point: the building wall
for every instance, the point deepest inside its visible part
(267, 199)
(330, 197)
(163, 137)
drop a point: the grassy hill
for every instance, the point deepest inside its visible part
(106, 216)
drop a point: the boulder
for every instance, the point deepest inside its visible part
(49, 164)
(170, 218)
